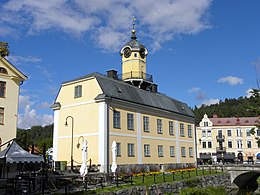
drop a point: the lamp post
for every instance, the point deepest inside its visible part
(72, 128)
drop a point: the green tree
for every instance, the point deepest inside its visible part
(4, 49)
(256, 95)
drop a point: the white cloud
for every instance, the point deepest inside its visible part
(109, 21)
(193, 90)
(209, 102)
(23, 59)
(231, 80)
(29, 117)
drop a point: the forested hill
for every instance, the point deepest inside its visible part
(241, 107)
(37, 135)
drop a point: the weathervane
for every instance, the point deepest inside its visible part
(134, 19)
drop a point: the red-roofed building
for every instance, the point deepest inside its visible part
(227, 139)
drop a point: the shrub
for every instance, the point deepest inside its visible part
(203, 191)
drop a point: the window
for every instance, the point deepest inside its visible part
(147, 150)
(258, 132)
(220, 133)
(182, 129)
(183, 152)
(118, 149)
(130, 150)
(3, 70)
(249, 144)
(209, 133)
(189, 131)
(229, 144)
(248, 132)
(190, 152)
(130, 121)
(2, 89)
(160, 151)
(229, 134)
(172, 152)
(203, 133)
(171, 130)
(204, 145)
(146, 123)
(159, 126)
(78, 91)
(239, 133)
(209, 144)
(116, 119)
(239, 144)
(1, 116)
(135, 55)
(206, 124)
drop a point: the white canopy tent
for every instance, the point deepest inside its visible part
(15, 154)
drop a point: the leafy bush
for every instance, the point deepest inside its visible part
(203, 191)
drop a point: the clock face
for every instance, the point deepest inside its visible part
(142, 53)
(127, 52)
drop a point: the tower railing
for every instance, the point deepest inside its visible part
(136, 75)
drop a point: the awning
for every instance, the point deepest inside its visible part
(205, 156)
(230, 156)
(15, 154)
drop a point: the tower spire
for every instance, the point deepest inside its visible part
(133, 30)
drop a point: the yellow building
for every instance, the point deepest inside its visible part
(10, 80)
(227, 139)
(147, 126)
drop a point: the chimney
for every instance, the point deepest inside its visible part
(215, 116)
(154, 88)
(112, 74)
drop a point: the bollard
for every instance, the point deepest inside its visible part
(153, 178)
(173, 176)
(182, 174)
(131, 179)
(164, 177)
(143, 177)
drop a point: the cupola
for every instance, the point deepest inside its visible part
(134, 63)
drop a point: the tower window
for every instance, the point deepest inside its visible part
(78, 91)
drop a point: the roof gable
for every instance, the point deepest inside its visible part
(12, 70)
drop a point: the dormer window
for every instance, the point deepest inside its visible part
(78, 91)
(3, 70)
(135, 54)
(206, 124)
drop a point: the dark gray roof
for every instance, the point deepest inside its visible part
(135, 45)
(123, 91)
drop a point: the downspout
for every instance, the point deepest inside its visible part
(108, 100)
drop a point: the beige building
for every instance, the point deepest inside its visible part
(227, 139)
(10, 80)
(147, 126)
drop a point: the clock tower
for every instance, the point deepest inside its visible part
(134, 64)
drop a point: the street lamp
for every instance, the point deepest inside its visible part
(72, 128)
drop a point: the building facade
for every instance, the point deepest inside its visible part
(147, 126)
(10, 80)
(227, 139)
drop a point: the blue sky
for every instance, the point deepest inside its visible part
(200, 51)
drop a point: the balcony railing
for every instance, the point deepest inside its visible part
(136, 75)
(220, 138)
